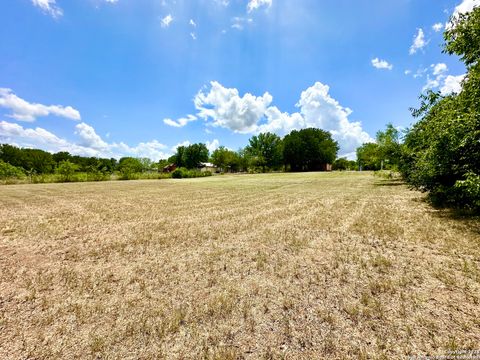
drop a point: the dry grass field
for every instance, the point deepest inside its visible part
(296, 266)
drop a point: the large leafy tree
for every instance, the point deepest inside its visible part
(309, 149)
(265, 151)
(226, 159)
(191, 156)
(441, 153)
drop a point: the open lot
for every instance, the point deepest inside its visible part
(252, 266)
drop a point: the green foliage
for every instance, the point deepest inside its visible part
(467, 192)
(226, 160)
(66, 170)
(129, 168)
(344, 164)
(265, 151)
(190, 156)
(8, 172)
(309, 149)
(184, 173)
(441, 152)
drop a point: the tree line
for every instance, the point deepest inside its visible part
(303, 150)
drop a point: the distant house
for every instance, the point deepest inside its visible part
(207, 167)
(169, 168)
(326, 167)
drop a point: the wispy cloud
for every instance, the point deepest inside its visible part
(49, 7)
(381, 64)
(419, 42)
(166, 21)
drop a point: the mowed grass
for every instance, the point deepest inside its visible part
(316, 265)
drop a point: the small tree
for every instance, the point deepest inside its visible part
(66, 170)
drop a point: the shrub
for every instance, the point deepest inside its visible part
(183, 173)
(8, 171)
(66, 170)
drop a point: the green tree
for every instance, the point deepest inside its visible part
(225, 159)
(309, 149)
(8, 171)
(441, 152)
(66, 170)
(389, 150)
(266, 151)
(344, 164)
(368, 156)
(193, 155)
(129, 167)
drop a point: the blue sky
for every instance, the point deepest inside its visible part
(139, 77)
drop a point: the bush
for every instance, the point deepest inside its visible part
(66, 170)
(467, 192)
(8, 171)
(183, 173)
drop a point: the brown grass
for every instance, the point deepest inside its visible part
(230, 267)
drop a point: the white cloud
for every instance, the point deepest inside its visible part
(166, 21)
(193, 23)
(407, 72)
(439, 68)
(452, 84)
(212, 145)
(464, 7)
(180, 122)
(437, 27)
(227, 109)
(419, 42)
(194, 37)
(438, 79)
(255, 4)
(320, 110)
(91, 144)
(89, 137)
(381, 64)
(112, 1)
(173, 149)
(49, 7)
(39, 138)
(25, 111)
(239, 22)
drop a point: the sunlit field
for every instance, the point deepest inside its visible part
(337, 265)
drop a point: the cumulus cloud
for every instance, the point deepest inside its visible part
(320, 110)
(452, 84)
(90, 144)
(439, 68)
(12, 133)
(437, 27)
(89, 137)
(256, 4)
(381, 64)
(419, 42)
(212, 145)
(465, 6)
(438, 79)
(166, 21)
(226, 108)
(180, 122)
(26, 111)
(48, 7)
